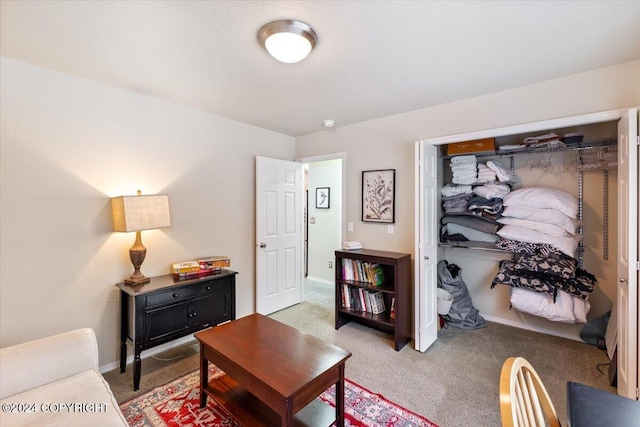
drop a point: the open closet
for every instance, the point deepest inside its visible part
(600, 172)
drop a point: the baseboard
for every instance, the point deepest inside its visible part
(508, 322)
(151, 352)
(315, 279)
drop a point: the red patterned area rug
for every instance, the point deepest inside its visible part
(177, 404)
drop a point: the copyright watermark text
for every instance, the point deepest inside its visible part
(55, 407)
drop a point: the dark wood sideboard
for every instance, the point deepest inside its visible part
(168, 308)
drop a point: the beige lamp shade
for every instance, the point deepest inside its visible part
(137, 213)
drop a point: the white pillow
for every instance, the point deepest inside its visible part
(550, 216)
(566, 245)
(544, 198)
(543, 227)
(541, 304)
(580, 308)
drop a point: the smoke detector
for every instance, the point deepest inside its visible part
(329, 123)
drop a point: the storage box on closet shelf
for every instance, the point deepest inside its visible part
(476, 146)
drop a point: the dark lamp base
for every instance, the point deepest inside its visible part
(137, 281)
(137, 254)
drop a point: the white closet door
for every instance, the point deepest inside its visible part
(426, 319)
(627, 295)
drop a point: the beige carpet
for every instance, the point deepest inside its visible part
(454, 383)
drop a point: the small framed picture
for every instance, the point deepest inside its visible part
(322, 197)
(378, 196)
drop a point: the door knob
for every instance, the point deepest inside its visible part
(263, 245)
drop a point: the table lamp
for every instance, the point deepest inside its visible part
(138, 213)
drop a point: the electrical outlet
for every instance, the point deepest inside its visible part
(330, 264)
(349, 226)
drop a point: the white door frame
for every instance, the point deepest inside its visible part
(421, 283)
(343, 216)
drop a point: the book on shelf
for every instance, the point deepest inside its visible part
(377, 303)
(360, 271)
(355, 298)
(363, 303)
(346, 296)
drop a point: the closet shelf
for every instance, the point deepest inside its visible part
(576, 146)
(485, 246)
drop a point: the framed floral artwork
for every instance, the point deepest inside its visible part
(322, 197)
(378, 196)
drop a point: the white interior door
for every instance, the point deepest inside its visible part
(278, 234)
(627, 295)
(426, 276)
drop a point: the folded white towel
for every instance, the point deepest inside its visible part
(484, 170)
(467, 172)
(469, 158)
(503, 174)
(489, 191)
(486, 177)
(452, 190)
(468, 180)
(351, 245)
(487, 174)
(464, 167)
(511, 147)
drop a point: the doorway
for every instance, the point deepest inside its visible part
(323, 219)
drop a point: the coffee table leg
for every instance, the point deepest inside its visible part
(204, 377)
(287, 419)
(340, 398)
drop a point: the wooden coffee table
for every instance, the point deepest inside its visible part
(274, 373)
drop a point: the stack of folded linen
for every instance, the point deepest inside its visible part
(540, 224)
(546, 140)
(465, 169)
(468, 228)
(541, 215)
(489, 191)
(455, 198)
(549, 286)
(485, 174)
(486, 208)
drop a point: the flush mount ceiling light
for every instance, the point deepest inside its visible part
(288, 40)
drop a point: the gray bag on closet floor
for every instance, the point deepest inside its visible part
(462, 313)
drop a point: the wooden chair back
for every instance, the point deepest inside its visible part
(524, 402)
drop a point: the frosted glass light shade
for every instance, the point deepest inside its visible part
(288, 40)
(288, 47)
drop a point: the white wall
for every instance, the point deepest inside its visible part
(324, 234)
(389, 142)
(67, 146)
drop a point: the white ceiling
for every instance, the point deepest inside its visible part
(373, 58)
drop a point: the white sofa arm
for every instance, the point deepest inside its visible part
(35, 363)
